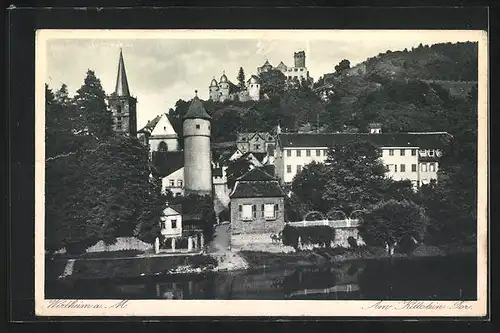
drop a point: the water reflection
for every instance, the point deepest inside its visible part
(437, 278)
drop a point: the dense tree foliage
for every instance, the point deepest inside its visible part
(236, 169)
(241, 78)
(96, 183)
(294, 208)
(92, 114)
(309, 186)
(198, 212)
(388, 222)
(272, 83)
(343, 65)
(356, 176)
(313, 235)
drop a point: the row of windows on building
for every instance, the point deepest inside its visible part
(249, 212)
(424, 167)
(172, 223)
(171, 183)
(402, 152)
(392, 167)
(413, 152)
(298, 152)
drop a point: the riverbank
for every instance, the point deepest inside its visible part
(95, 268)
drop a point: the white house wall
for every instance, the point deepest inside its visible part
(177, 177)
(417, 177)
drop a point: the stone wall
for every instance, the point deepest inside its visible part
(258, 242)
(122, 243)
(343, 233)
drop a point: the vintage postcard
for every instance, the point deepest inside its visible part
(261, 173)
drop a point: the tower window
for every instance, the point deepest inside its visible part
(119, 109)
(118, 118)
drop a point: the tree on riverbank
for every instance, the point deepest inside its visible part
(388, 222)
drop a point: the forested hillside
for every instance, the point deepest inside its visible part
(423, 89)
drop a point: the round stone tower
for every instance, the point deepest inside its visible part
(214, 90)
(224, 87)
(253, 86)
(197, 152)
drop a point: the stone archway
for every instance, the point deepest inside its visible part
(336, 214)
(313, 213)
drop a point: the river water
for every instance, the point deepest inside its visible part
(437, 278)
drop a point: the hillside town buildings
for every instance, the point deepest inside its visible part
(256, 201)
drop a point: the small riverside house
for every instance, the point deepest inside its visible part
(171, 223)
(257, 205)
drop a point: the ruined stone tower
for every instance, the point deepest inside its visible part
(123, 105)
(197, 152)
(299, 59)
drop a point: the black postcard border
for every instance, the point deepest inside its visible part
(21, 26)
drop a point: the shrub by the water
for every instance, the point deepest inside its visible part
(318, 235)
(353, 244)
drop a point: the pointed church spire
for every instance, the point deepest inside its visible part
(121, 88)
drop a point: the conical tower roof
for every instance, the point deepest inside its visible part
(196, 110)
(121, 88)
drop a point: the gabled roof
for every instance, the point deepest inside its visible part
(281, 65)
(257, 183)
(169, 211)
(121, 87)
(254, 79)
(267, 64)
(150, 125)
(165, 163)
(246, 136)
(258, 156)
(196, 110)
(423, 140)
(256, 174)
(163, 127)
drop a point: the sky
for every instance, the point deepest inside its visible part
(164, 67)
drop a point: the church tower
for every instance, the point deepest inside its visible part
(197, 152)
(122, 104)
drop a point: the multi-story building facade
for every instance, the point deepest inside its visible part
(408, 156)
(256, 142)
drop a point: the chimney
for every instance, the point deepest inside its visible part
(375, 128)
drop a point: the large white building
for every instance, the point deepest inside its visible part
(408, 156)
